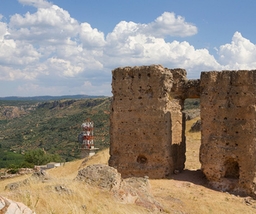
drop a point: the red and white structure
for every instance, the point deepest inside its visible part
(87, 137)
(87, 133)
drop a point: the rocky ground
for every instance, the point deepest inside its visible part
(90, 186)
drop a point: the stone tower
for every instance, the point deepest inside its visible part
(146, 122)
(228, 115)
(147, 125)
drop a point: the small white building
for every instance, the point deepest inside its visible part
(52, 165)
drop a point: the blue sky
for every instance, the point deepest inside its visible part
(61, 47)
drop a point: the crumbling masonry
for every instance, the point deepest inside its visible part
(147, 133)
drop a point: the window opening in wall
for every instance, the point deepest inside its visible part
(231, 169)
(193, 133)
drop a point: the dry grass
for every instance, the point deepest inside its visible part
(193, 141)
(186, 192)
(79, 197)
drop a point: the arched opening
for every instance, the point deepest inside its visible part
(231, 169)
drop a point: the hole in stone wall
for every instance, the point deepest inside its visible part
(232, 169)
(142, 159)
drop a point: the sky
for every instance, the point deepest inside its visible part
(68, 47)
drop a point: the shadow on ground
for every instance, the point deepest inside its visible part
(193, 176)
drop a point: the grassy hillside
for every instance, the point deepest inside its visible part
(185, 193)
(52, 126)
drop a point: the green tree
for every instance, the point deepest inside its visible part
(39, 157)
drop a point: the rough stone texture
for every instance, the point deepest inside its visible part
(129, 191)
(8, 206)
(101, 176)
(147, 124)
(147, 133)
(228, 115)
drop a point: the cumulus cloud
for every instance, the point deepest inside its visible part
(142, 49)
(169, 25)
(239, 54)
(165, 25)
(91, 37)
(46, 24)
(36, 3)
(49, 52)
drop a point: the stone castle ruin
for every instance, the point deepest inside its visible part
(147, 125)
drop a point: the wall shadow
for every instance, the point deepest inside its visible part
(193, 176)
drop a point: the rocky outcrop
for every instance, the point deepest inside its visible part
(100, 175)
(41, 176)
(8, 206)
(11, 112)
(130, 191)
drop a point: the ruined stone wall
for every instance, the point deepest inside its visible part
(147, 125)
(228, 115)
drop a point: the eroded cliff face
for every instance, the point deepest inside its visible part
(228, 114)
(147, 125)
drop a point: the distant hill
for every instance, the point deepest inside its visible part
(45, 98)
(52, 125)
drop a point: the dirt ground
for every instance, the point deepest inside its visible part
(188, 191)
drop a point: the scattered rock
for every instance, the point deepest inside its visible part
(250, 201)
(137, 190)
(191, 113)
(134, 190)
(62, 189)
(101, 176)
(16, 185)
(8, 206)
(41, 175)
(84, 207)
(196, 127)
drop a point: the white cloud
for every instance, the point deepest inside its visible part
(91, 37)
(49, 52)
(45, 25)
(33, 89)
(142, 49)
(239, 54)
(11, 74)
(36, 3)
(13, 53)
(169, 25)
(165, 25)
